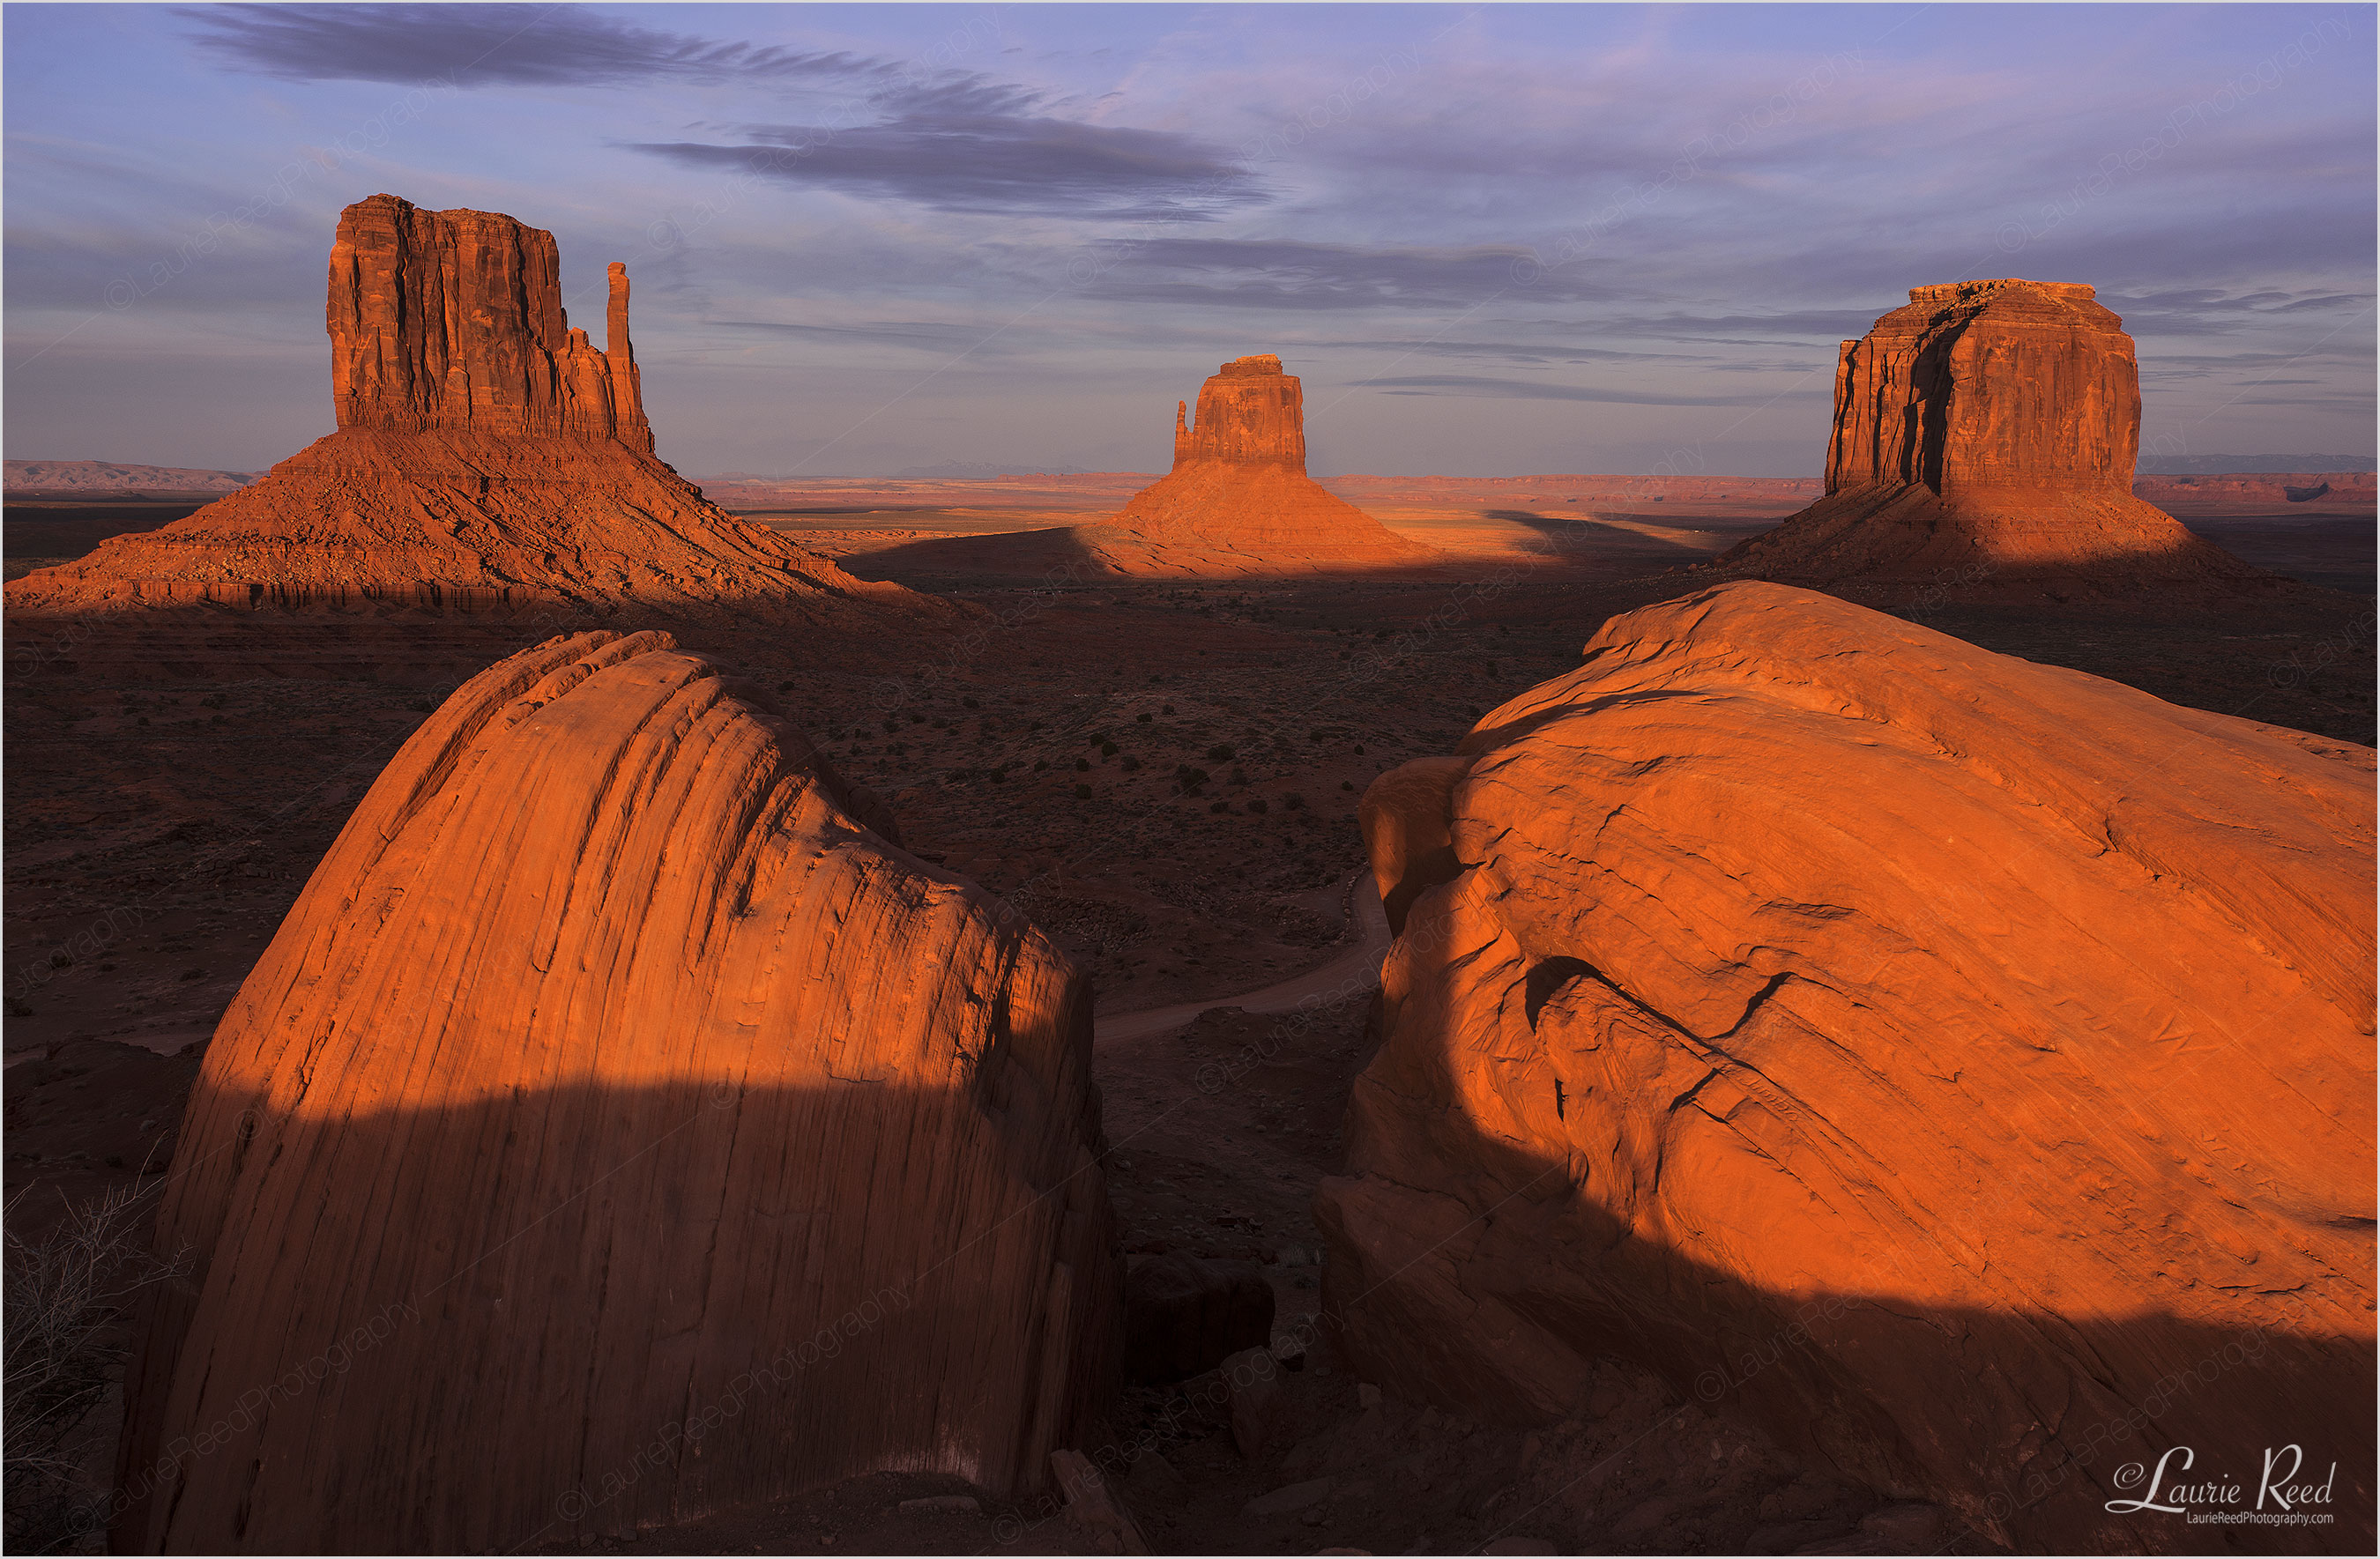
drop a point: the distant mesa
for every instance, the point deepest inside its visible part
(114, 478)
(572, 1118)
(1238, 500)
(1937, 1057)
(489, 458)
(1984, 442)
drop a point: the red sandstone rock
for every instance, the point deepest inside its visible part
(1238, 500)
(1984, 442)
(1962, 1065)
(569, 1164)
(488, 460)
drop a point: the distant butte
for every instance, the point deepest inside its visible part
(1984, 442)
(1238, 500)
(489, 459)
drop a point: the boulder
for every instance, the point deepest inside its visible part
(1983, 449)
(1251, 1388)
(567, 1164)
(1961, 1065)
(1184, 1315)
(490, 462)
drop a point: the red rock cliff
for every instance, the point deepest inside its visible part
(1979, 385)
(454, 321)
(1250, 413)
(568, 1163)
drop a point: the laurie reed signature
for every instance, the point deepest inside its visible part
(2282, 1497)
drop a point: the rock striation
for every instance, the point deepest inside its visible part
(488, 460)
(568, 1165)
(1238, 500)
(1962, 1066)
(1984, 442)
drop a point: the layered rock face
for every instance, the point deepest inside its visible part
(568, 1163)
(454, 319)
(1984, 442)
(1962, 1065)
(1238, 500)
(488, 460)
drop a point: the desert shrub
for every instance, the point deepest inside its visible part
(1082, 792)
(1295, 802)
(1108, 749)
(1258, 805)
(1040, 764)
(1222, 752)
(1143, 717)
(69, 1295)
(969, 704)
(1220, 806)
(1168, 708)
(1082, 765)
(1129, 763)
(1346, 784)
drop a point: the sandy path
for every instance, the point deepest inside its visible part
(1352, 972)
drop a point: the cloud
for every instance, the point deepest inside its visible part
(972, 145)
(1524, 390)
(484, 46)
(1284, 274)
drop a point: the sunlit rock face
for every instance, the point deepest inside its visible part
(1983, 446)
(621, 1128)
(1962, 1065)
(490, 460)
(1238, 500)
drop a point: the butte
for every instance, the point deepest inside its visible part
(1983, 446)
(490, 462)
(1237, 504)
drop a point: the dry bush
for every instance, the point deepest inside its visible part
(68, 1297)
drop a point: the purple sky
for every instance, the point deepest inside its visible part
(1492, 239)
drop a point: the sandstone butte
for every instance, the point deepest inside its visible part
(1984, 442)
(1238, 500)
(489, 459)
(1962, 1065)
(569, 1164)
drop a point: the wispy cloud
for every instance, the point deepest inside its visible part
(1531, 390)
(486, 45)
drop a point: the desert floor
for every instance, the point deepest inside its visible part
(1164, 776)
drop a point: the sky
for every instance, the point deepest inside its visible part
(1492, 239)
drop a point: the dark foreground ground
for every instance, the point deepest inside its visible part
(158, 827)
